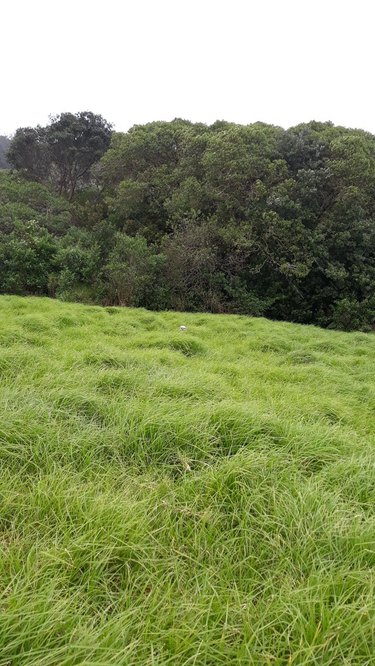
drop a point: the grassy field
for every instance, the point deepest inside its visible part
(202, 497)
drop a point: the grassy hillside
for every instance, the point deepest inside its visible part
(199, 497)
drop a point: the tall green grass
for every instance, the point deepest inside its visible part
(202, 497)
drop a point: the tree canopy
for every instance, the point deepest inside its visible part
(63, 152)
(226, 218)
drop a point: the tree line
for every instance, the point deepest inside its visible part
(223, 218)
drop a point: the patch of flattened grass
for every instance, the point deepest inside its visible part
(106, 359)
(118, 381)
(71, 402)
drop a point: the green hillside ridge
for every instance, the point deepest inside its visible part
(184, 497)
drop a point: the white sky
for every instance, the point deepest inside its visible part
(133, 61)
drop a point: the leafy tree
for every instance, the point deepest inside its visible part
(28, 153)
(63, 152)
(76, 142)
(140, 172)
(4, 145)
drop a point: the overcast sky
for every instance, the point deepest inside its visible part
(133, 61)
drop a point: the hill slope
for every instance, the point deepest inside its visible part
(199, 497)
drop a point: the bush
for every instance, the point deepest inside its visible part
(131, 270)
(349, 315)
(27, 258)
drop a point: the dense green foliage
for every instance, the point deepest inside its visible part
(63, 152)
(224, 218)
(202, 497)
(4, 145)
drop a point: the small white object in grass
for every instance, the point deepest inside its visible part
(183, 328)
